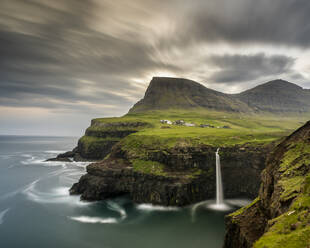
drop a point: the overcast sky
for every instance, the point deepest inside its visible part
(64, 62)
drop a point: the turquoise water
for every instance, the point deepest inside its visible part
(37, 211)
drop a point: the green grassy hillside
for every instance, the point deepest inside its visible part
(277, 96)
(180, 93)
(228, 119)
(242, 128)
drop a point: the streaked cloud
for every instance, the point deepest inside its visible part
(91, 58)
(244, 68)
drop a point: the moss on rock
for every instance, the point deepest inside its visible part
(95, 148)
(284, 199)
(148, 167)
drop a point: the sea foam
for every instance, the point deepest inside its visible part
(150, 207)
(2, 214)
(94, 220)
(54, 152)
(117, 208)
(58, 195)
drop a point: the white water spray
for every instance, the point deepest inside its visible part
(219, 186)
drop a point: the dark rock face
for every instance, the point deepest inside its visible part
(247, 230)
(96, 150)
(113, 129)
(189, 175)
(99, 139)
(116, 176)
(241, 168)
(70, 156)
(242, 162)
(275, 212)
(109, 134)
(64, 157)
(119, 125)
(103, 182)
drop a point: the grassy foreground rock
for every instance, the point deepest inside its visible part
(280, 217)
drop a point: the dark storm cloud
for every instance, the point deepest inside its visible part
(49, 52)
(243, 68)
(240, 22)
(79, 55)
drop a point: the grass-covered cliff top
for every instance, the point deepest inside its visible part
(292, 228)
(284, 198)
(241, 128)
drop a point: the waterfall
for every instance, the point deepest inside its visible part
(219, 205)
(219, 187)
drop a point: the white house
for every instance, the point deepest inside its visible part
(166, 122)
(190, 124)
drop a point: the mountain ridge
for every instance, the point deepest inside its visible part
(277, 96)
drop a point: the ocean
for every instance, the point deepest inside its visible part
(36, 209)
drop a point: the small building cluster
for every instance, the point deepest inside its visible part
(206, 125)
(166, 122)
(211, 126)
(178, 122)
(187, 124)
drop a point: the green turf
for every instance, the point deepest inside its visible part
(243, 128)
(292, 229)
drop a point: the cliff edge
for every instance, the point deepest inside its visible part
(171, 176)
(280, 215)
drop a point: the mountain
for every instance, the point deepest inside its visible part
(180, 93)
(276, 96)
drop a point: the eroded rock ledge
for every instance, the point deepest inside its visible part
(99, 139)
(152, 170)
(177, 176)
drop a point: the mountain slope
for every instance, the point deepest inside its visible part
(179, 93)
(277, 96)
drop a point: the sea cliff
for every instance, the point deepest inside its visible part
(177, 175)
(280, 215)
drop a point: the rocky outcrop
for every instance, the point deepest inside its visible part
(65, 157)
(94, 148)
(104, 180)
(177, 176)
(99, 139)
(280, 216)
(243, 230)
